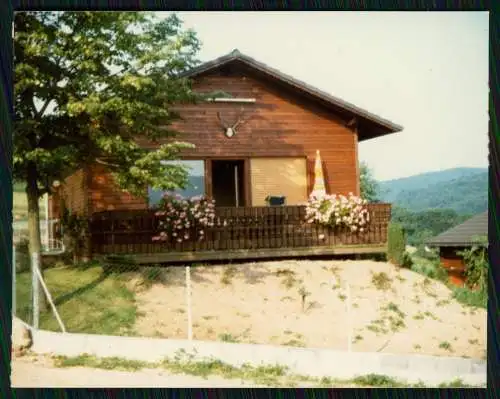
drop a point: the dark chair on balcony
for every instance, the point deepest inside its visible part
(276, 200)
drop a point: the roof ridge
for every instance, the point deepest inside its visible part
(235, 54)
(463, 232)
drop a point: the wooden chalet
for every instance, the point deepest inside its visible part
(259, 141)
(453, 241)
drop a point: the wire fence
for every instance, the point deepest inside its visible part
(27, 274)
(244, 302)
(248, 302)
(22, 288)
(329, 303)
(55, 292)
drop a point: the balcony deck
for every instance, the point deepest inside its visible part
(248, 233)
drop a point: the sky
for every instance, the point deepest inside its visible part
(426, 71)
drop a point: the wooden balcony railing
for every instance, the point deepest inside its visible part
(132, 232)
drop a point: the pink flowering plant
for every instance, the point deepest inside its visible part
(338, 211)
(183, 219)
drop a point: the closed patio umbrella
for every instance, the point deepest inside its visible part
(319, 189)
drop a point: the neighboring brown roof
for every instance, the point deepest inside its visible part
(464, 234)
(374, 126)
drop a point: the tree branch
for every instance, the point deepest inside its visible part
(101, 162)
(40, 113)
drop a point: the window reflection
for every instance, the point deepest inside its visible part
(194, 187)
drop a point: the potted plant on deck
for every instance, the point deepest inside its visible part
(184, 219)
(344, 214)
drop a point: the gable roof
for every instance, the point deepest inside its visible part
(464, 234)
(373, 125)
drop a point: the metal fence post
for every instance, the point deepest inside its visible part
(188, 303)
(14, 305)
(349, 317)
(35, 260)
(49, 298)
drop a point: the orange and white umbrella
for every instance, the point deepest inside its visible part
(319, 189)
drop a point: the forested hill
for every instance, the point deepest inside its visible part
(464, 190)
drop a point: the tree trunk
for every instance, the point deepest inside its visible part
(35, 245)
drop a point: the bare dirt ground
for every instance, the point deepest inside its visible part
(303, 303)
(38, 371)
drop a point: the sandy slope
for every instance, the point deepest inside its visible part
(255, 306)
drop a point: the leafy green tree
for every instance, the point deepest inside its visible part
(87, 84)
(396, 246)
(369, 187)
(423, 225)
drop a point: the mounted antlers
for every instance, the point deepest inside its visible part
(230, 129)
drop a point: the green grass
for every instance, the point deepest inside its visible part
(392, 307)
(446, 345)
(18, 187)
(87, 300)
(20, 205)
(298, 343)
(419, 316)
(471, 298)
(106, 363)
(267, 375)
(225, 337)
(429, 268)
(381, 281)
(289, 280)
(432, 269)
(376, 380)
(227, 275)
(457, 383)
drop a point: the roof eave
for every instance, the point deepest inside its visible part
(385, 125)
(380, 132)
(455, 244)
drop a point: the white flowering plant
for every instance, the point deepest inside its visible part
(183, 219)
(338, 211)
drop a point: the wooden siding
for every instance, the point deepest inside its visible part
(278, 176)
(73, 193)
(278, 124)
(454, 264)
(450, 259)
(105, 195)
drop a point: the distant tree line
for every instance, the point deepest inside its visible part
(423, 225)
(419, 226)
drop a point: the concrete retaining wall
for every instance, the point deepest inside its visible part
(312, 362)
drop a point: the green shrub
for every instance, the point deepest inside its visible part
(476, 271)
(476, 274)
(381, 281)
(432, 269)
(406, 261)
(440, 272)
(396, 247)
(75, 232)
(465, 296)
(429, 255)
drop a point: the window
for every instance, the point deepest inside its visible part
(278, 177)
(194, 187)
